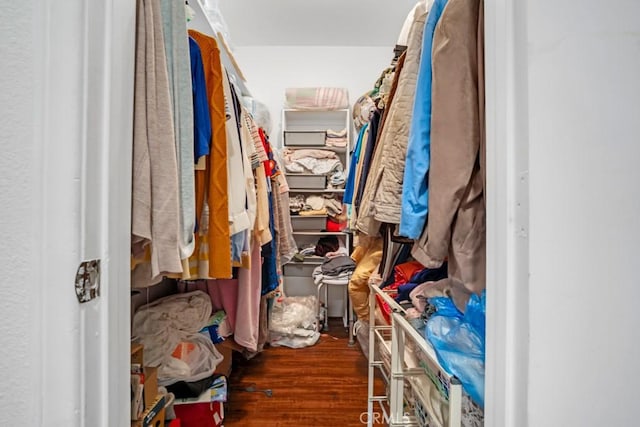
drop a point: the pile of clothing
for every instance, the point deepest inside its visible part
(311, 161)
(339, 267)
(336, 138)
(315, 205)
(327, 247)
(172, 324)
(406, 278)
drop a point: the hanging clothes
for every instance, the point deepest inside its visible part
(382, 199)
(201, 114)
(415, 196)
(367, 256)
(369, 149)
(155, 210)
(456, 225)
(237, 163)
(211, 184)
(347, 197)
(248, 306)
(286, 244)
(270, 280)
(180, 87)
(260, 163)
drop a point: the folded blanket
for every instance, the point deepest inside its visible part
(333, 206)
(336, 133)
(317, 98)
(290, 155)
(320, 162)
(337, 265)
(336, 142)
(318, 276)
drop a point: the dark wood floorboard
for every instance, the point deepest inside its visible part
(322, 385)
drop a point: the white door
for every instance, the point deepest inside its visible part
(83, 95)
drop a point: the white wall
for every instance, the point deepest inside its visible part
(313, 22)
(20, 342)
(584, 154)
(271, 69)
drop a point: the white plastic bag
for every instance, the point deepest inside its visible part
(291, 313)
(294, 341)
(196, 359)
(292, 322)
(175, 321)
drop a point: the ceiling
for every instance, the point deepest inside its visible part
(314, 22)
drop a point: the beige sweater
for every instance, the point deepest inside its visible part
(155, 219)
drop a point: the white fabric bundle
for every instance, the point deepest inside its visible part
(162, 325)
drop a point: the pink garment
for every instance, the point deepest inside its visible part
(248, 307)
(223, 294)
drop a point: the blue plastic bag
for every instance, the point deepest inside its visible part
(459, 342)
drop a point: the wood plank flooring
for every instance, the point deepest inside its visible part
(322, 385)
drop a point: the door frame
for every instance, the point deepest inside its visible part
(507, 211)
(83, 122)
(507, 201)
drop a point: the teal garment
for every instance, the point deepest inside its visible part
(176, 44)
(415, 191)
(351, 179)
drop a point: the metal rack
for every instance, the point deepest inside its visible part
(409, 385)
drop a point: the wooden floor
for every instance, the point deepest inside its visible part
(322, 385)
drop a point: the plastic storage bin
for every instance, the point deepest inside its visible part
(308, 223)
(303, 181)
(304, 138)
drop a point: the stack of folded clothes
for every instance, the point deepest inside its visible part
(315, 205)
(336, 138)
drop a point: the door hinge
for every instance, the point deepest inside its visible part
(88, 280)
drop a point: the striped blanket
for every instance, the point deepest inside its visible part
(317, 98)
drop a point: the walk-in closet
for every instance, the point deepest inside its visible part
(319, 213)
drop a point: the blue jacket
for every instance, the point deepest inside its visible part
(415, 196)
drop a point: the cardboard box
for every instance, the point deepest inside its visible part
(224, 367)
(153, 416)
(150, 386)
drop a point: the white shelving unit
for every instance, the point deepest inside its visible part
(414, 380)
(306, 129)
